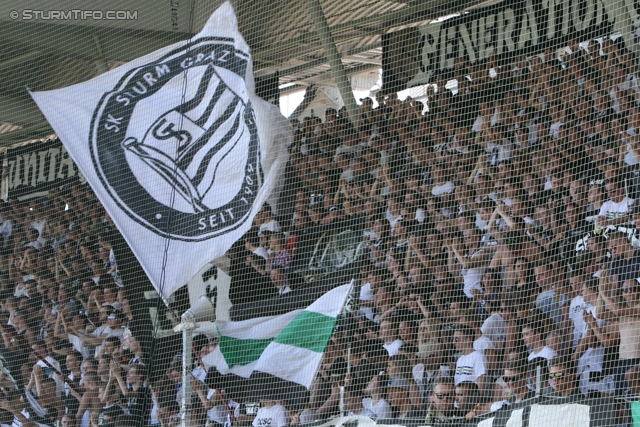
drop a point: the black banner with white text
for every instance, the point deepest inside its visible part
(504, 31)
(38, 167)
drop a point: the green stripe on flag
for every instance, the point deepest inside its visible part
(242, 352)
(308, 330)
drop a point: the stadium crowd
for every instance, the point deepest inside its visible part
(67, 354)
(500, 261)
(499, 228)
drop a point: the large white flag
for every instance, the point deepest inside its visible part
(177, 147)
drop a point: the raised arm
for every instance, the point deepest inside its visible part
(423, 309)
(116, 372)
(492, 227)
(477, 261)
(84, 405)
(507, 219)
(606, 339)
(453, 266)
(619, 310)
(479, 164)
(88, 339)
(10, 407)
(5, 337)
(37, 377)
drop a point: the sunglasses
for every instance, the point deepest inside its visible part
(444, 395)
(511, 379)
(630, 289)
(556, 375)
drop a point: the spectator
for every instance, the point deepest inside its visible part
(599, 343)
(379, 241)
(472, 365)
(399, 367)
(73, 382)
(578, 306)
(408, 331)
(470, 265)
(538, 376)
(69, 421)
(468, 400)
(615, 210)
(627, 324)
(384, 302)
(136, 395)
(376, 405)
(280, 257)
(427, 371)
(45, 393)
(353, 401)
(90, 403)
(279, 280)
(48, 364)
(532, 334)
(169, 414)
(441, 402)
(548, 301)
(367, 291)
(389, 336)
(625, 263)
(268, 223)
(562, 375)
(516, 380)
(305, 239)
(399, 399)
(15, 405)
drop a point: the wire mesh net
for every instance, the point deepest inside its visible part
(442, 231)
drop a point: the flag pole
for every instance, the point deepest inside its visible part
(342, 407)
(187, 339)
(187, 326)
(626, 195)
(343, 312)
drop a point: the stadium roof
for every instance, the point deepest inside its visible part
(44, 54)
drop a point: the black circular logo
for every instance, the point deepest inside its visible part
(175, 143)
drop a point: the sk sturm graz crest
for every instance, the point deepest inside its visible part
(175, 142)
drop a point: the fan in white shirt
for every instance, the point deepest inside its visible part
(615, 210)
(271, 415)
(375, 406)
(388, 334)
(268, 223)
(472, 365)
(532, 337)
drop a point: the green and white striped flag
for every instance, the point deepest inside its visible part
(289, 346)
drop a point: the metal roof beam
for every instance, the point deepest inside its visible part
(20, 58)
(417, 12)
(80, 42)
(19, 111)
(35, 131)
(326, 76)
(323, 60)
